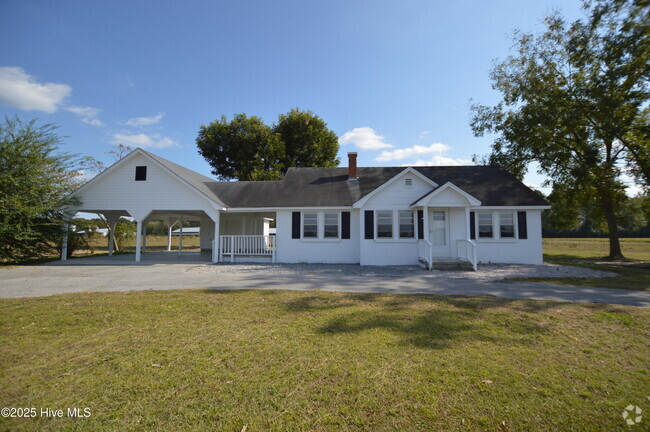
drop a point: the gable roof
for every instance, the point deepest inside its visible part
(330, 187)
(437, 190)
(325, 187)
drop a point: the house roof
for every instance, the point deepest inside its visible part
(330, 187)
(324, 187)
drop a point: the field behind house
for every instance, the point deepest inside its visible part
(633, 248)
(279, 361)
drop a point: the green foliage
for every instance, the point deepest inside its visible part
(245, 148)
(124, 232)
(35, 179)
(575, 101)
(308, 142)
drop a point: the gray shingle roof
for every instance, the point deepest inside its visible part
(324, 187)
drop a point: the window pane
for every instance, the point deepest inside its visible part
(438, 216)
(331, 225)
(406, 224)
(485, 225)
(507, 224)
(310, 225)
(385, 224)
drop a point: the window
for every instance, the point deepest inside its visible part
(408, 183)
(507, 225)
(406, 224)
(384, 224)
(331, 225)
(310, 225)
(140, 173)
(485, 225)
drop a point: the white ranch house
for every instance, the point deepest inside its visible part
(367, 216)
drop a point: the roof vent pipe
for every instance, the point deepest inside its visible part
(352, 165)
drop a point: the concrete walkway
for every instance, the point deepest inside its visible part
(83, 275)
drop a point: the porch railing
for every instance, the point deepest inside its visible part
(425, 252)
(246, 245)
(467, 250)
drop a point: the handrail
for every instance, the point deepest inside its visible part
(470, 252)
(426, 251)
(246, 244)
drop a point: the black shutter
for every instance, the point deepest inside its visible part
(345, 225)
(369, 224)
(420, 224)
(472, 225)
(295, 225)
(523, 225)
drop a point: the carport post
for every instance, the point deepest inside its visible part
(111, 237)
(64, 243)
(144, 235)
(138, 239)
(180, 238)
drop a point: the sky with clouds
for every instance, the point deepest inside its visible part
(393, 79)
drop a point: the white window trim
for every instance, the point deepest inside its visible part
(320, 227)
(415, 225)
(496, 227)
(395, 224)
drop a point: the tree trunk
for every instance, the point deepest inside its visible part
(612, 226)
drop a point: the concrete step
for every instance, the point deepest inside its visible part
(447, 264)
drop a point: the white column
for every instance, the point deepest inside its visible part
(215, 247)
(427, 236)
(169, 235)
(144, 235)
(180, 238)
(138, 240)
(111, 237)
(64, 242)
(467, 225)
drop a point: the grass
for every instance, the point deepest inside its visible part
(633, 248)
(283, 360)
(590, 252)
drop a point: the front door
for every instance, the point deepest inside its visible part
(439, 232)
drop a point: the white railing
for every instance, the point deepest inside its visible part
(467, 250)
(248, 245)
(425, 252)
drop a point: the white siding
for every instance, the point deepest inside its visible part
(118, 190)
(316, 251)
(517, 251)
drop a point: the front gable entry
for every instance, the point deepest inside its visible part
(447, 195)
(399, 190)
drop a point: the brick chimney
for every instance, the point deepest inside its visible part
(352, 165)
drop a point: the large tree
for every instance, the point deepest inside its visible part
(575, 100)
(35, 178)
(245, 148)
(308, 142)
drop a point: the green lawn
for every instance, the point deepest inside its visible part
(282, 360)
(633, 248)
(634, 273)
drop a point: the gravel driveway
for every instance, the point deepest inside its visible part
(485, 272)
(78, 276)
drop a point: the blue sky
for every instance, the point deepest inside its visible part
(393, 79)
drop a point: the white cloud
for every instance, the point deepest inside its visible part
(364, 138)
(143, 140)
(438, 160)
(404, 153)
(145, 121)
(21, 90)
(423, 134)
(87, 114)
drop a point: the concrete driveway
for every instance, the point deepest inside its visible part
(103, 275)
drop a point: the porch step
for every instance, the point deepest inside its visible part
(447, 264)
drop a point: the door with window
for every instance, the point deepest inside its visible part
(439, 232)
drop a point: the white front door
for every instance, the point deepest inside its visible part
(439, 232)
